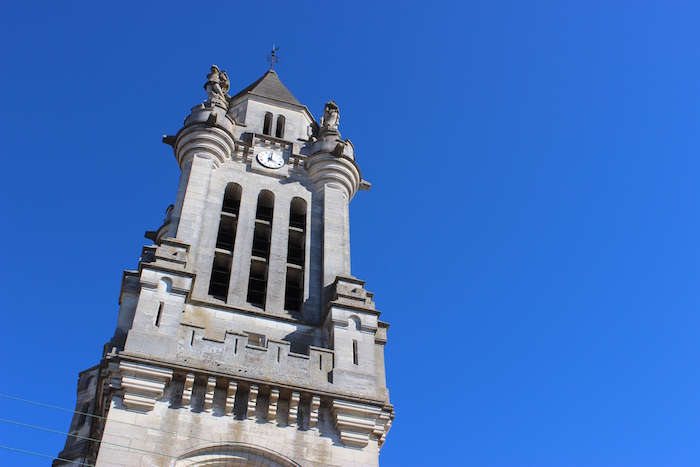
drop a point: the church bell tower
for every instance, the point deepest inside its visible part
(242, 338)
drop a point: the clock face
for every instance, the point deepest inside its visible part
(270, 159)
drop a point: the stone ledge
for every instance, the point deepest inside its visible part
(355, 422)
(143, 385)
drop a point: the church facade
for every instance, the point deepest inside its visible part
(242, 338)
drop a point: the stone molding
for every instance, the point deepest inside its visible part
(315, 405)
(143, 384)
(272, 404)
(204, 141)
(383, 424)
(187, 390)
(294, 408)
(179, 283)
(172, 253)
(350, 290)
(235, 453)
(342, 171)
(209, 394)
(252, 401)
(355, 422)
(230, 398)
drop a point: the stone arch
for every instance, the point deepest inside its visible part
(165, 286)
(354, 323)
(233, 455)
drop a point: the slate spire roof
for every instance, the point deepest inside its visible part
(271, 87)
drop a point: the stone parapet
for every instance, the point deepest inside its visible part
(141, 386)
(234, 355)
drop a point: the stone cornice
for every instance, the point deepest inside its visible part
(247, 378)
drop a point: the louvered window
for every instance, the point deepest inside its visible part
(225, 241)
(296, 257)
(260, 255)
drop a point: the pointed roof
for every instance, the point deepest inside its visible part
(271, 87)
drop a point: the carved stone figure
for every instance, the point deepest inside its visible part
(331, 118)
(217, 85)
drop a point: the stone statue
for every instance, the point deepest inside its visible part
(217, 86)
(331, 118)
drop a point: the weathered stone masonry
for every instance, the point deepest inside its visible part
(243, 338)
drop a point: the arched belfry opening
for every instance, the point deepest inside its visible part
(225, 241)
(296, 256)
(260, 255)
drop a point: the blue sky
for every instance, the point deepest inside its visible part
(532, 233)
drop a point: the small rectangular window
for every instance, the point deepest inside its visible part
(159, 314)
(256, 339)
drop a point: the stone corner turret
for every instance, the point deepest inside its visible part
(331, 160)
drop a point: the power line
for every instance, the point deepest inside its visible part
(44, 455)
(26, 425)
(41, 404)
(50, 406)
(170, 432)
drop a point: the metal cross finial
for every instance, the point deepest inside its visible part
(272, 57)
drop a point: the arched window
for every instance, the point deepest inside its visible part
(294, 288)
(279, 132)
(225, 240)
(260, 256)
(267, 125)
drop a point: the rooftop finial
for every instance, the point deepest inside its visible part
(272, 57)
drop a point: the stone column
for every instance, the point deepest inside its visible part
(337, 177)
(205, 141)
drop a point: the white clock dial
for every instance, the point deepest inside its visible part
(270, 159)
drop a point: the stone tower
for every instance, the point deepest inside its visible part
(242, 338)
